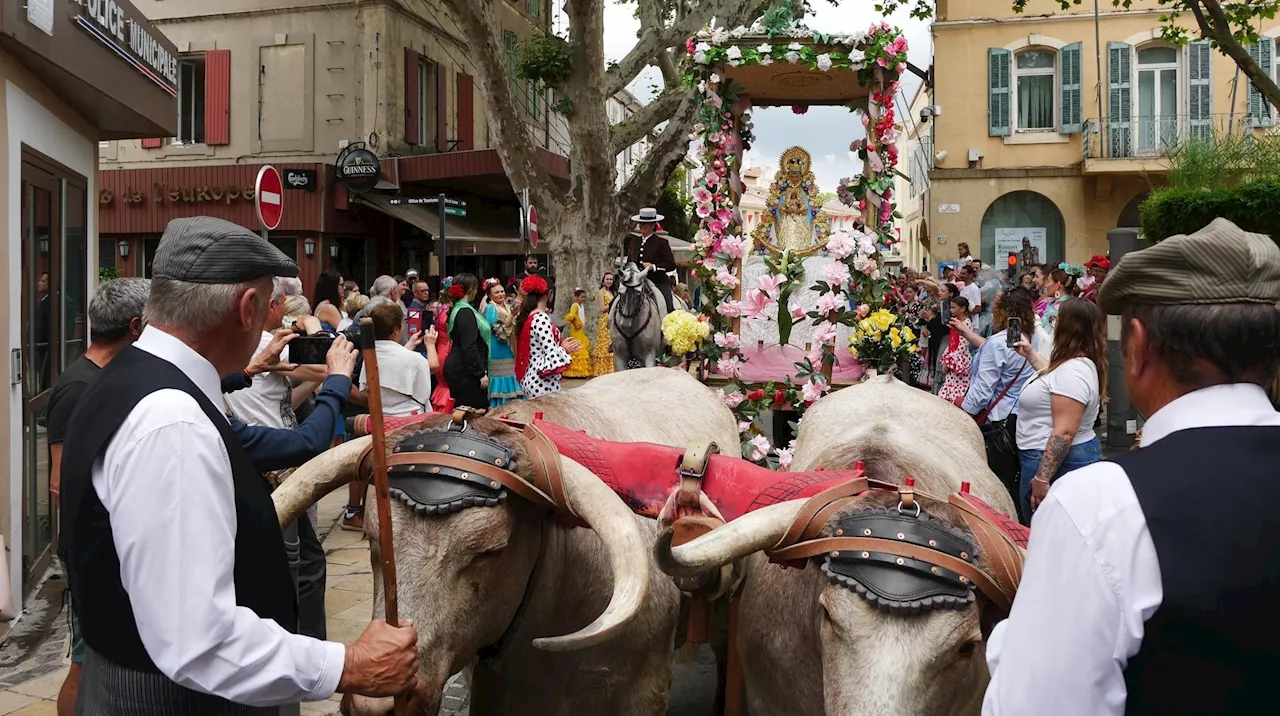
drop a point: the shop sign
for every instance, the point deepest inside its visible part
(40, 14)
(161, 193)
(128, 38)
(300, 179)
(358, 168)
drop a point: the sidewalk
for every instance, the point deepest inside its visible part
(30, 687)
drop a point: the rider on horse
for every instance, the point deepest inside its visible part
(648, 248)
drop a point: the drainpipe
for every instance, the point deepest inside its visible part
(1097, 45)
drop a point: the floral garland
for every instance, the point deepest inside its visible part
(879, 57)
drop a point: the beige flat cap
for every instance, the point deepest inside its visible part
(1220, 263)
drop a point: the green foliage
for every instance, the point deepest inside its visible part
(674, 207)
(1253, 206)
(1224, 161)
(544, 58)
(565, 106)
(108, 273)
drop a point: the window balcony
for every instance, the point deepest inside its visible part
(1142, 144)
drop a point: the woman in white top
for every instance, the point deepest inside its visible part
(404, 375)
(1058, 407)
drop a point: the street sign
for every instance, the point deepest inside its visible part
(268, 197)
(455, 210)
(533, 227)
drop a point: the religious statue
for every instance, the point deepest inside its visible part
(793, 219)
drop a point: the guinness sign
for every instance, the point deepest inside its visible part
(358, 168)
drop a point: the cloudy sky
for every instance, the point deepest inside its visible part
(824, 131)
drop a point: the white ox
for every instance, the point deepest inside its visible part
(810, 647)
(464, 578)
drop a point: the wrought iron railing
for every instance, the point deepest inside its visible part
(1146, 136)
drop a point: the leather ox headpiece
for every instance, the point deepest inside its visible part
(898, 582)
(438, 472)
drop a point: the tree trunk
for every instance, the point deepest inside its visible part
(579, 260)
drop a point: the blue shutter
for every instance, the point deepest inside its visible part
(1264, 54)
(1119, 99)
(1072, 101)
(1200, 90)
(999, 101)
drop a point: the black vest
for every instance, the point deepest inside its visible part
(1210, 497)
(261, 575)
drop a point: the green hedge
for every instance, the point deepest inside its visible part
(1254, 206)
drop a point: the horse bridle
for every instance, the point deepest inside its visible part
(644, 296)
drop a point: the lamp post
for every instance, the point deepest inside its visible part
(124, 249)
(309, 246)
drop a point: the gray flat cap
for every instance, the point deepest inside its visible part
(1220, 263)
(202, 249)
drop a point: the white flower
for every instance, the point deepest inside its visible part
(765, 49)
(734, 54)
(738, 31)
(860, 263)
(857, 56)
(720, 36)
(700, 57)
(766, 60)
(715, 76)
(785, 456)
(824, 62)
(759, 448)
(793, 57)
(702, 47)
(794, 46)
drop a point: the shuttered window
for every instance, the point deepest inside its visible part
(999, 112)
(152, 143)
(412, 98)
(1072, 101)
(510, 43)
(217, 97)
(1119, 99)
(1263, 53)
(466, 113)
(535, 8)
(1200, 90)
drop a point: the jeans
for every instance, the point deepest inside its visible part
(1078, 456)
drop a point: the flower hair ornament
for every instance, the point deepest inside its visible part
(1075, 270)
(534, 284)
(490, 283)
(457, 291)
(446, 282)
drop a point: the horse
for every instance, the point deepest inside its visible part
(635, 318)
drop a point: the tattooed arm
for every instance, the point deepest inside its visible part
(1067, 414)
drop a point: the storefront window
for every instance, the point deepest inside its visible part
(1019, 220)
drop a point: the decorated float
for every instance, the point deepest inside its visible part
(792, 309)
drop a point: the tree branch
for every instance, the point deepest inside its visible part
(593, 164)
(641, 124)
(1220, 30)
(664, 155)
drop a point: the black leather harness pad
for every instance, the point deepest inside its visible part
(901, 584)
(433, 489)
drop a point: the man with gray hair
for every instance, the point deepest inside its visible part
(115, 321)
(385, 289)
(169, 527)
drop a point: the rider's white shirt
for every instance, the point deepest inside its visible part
(1092, 578)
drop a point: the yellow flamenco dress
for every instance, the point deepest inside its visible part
(581, 365)
(602, 355)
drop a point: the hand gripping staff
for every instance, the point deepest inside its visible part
(382, 494)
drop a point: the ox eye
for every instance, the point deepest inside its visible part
(968, 649)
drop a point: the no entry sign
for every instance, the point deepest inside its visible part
(268, 197)
(533, 227)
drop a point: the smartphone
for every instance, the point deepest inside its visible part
(1014, 334)
(414, 322)
(310, 350)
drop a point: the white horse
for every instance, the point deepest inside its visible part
(635, 318)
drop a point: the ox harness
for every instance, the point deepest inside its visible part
(902, 559)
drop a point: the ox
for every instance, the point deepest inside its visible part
(809, 646)
(494, 582)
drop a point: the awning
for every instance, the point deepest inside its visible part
(425, 217)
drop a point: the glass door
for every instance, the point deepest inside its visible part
(1157, 99)
(40, 326)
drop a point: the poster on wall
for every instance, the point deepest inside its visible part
(1009, 241)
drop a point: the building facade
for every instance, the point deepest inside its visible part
(1052, 125)
(307, 85)
(72, 74)
(620, 108)
(911, 182)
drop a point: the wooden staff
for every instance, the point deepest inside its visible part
(382, 494)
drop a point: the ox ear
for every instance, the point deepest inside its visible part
(989, 615)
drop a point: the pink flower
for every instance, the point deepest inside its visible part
(785, 457)
(813, 390)
(771, 285)
(879, 61)
(716, 227)
(712, 179)
(902, 67)
(862, 311)
(730, 309)
(725, 278)
(703, 210)
(899, 45)
(759, 448)
(836, 274)
(825, 334)
(743, 426)
(866, 121)
(797, 312)
(725, 216)
(758, 306)
(730, 366)
(728, 341)
(735, 247)
(829, 302)
(840, 245)
(874, 162)
(733, 399)
(701, 195)
(715, 101)
(689, 46)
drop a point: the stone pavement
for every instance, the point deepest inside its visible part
(29, 682)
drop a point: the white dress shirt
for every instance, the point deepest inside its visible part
(1092, 579)
(165, 479)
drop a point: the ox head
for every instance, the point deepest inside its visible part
(922, 655)
(464, 564)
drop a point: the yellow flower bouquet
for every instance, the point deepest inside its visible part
(684, 332)
(882, 340)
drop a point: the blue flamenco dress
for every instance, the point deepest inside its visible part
(503, 386)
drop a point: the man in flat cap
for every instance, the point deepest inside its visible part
(1151, 584)
(175, 558)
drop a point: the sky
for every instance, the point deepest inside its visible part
(824, 131)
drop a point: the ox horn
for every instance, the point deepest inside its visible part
(749, 533)
(625, 546)
(321, 475)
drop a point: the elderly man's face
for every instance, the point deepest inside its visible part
(421, 291)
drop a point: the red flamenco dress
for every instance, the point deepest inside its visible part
(441, 400)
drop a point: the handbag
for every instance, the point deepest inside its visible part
(981, 417)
